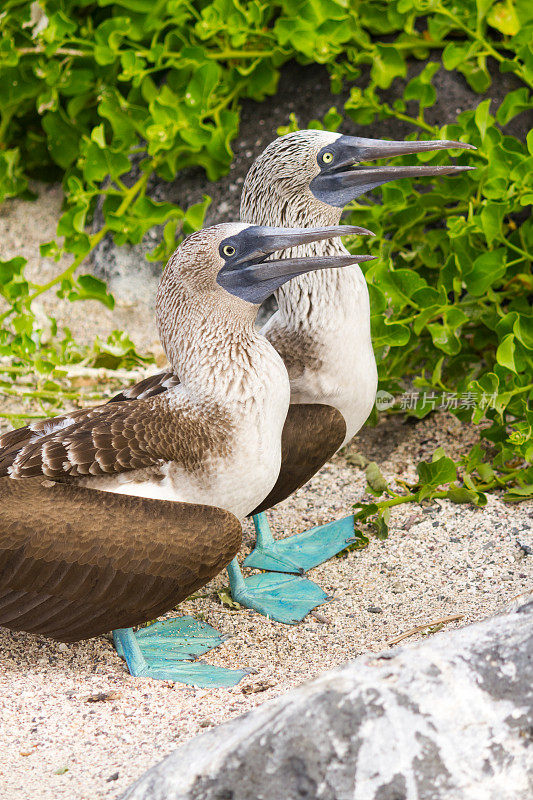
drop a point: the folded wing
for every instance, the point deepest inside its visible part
(103, 440)
(312, 434)
(76, 562)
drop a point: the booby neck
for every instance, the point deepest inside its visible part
(320, 299)
(210, 341)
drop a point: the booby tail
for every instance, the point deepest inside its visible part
(76, 562)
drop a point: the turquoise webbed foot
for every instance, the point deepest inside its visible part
(301, 552)
(165, 650)
(282, 597)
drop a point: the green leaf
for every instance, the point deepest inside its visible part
(514, 103)
(387, 64)
(483, 118)
(87, 287)
(12, 180)
(503, 17)
(375, 479)
(63, 138)
(505, 355)
(381, 524)
(492, 215)
(459, 494)
(224, 595)
(438, 472)
(195, 215)
(518, 494)
(454, 54)
(485, 271)
(388, 333)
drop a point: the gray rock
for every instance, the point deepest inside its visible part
(447, 719)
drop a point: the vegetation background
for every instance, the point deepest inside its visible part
(113, 97)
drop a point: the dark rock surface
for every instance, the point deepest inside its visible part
(447, 719)
(305, 91)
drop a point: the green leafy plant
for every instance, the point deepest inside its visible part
(450, 292)
(466, 481)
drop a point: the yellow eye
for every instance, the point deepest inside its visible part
(228, 250)
(327, 158)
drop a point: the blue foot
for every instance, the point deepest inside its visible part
(166, 649)
(283, 598)
(300, 552)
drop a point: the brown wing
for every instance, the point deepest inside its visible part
(112, 438)
(13, 441)
(148, 387)
(311, 435)
(75, 562)
(152, 386)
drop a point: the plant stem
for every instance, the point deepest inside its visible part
(412, 497)
(61, 51)
(50, 395)
(223, 55)
(524, 253)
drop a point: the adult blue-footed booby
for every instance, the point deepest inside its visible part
(322, 332)
(110, 516)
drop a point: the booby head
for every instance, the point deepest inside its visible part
(307, 166)
(231, 259)
(248, 274)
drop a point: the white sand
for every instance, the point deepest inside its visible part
(440, 560)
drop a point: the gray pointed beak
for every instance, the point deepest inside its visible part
(345, 180)
(248, 275)
(263, 240)
(356, 181)
(372, 149)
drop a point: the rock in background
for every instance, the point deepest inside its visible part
(449, 719)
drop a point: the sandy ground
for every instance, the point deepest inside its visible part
(439, 560)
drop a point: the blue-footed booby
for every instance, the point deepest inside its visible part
(110, 516)
(322, 332)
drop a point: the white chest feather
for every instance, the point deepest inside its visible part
(330, 360)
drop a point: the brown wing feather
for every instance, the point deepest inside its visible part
(114, 438)
(148, 387)
(75, 562)
(312, 434)
(152, 386)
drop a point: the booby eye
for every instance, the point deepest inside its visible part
(228, 250)
(327, 157)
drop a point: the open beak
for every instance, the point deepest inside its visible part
(345, 179)
(251, 277)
